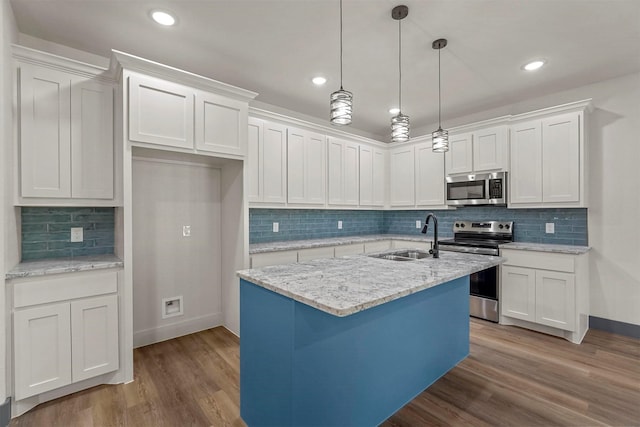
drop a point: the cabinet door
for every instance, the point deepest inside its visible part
(254, 162)
(459, 158)
(221, 124)
(555, 299)
(402, 177)
(160, 112)
(315, 253)
(92, 140)
(42, 340)
(526, 163)
(274, 163)
(45, 132)
(561, 159)
(490, 149)
(371, 166)
(518, 298)
(306, 171)
(273, 258)
(94, 336)
(429, 176)
(335, 166)
(343, 160)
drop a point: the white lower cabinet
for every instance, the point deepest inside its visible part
(547, 292)
(58, 341)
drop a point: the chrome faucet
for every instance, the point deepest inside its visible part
(436, 248)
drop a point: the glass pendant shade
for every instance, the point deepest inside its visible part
(440, 141)
(341, 104)
(400, 128)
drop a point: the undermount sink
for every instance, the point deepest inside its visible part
(403, 255)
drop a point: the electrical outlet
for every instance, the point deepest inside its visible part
(276, 227)
(173, 306)
(418, 224)
(76, 234)
(339, 225)
(186, 231)
(550, 228)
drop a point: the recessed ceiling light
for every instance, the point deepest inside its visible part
(319, 81)
(163, 18)
(394, 110)
(533, 65)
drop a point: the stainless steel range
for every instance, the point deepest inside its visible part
(483, 238)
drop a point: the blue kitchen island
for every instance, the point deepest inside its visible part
(349, 341)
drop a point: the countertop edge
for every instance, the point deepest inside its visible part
(546, 247)
(49, 267)
(291, 245)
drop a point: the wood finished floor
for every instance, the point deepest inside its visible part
(512, 377)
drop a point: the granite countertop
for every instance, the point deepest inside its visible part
(257, 248)
(546, 247)
(63, 265)
(347, 285)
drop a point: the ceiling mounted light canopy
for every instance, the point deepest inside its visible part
(400, 122)
(341, 101)
(440, 137)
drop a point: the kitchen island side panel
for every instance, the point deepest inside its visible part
(355, 370)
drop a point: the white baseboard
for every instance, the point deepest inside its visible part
(178, 329)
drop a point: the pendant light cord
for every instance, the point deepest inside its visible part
(341, 45)
(400, 65)
(439, 91)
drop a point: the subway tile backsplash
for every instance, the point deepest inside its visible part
(46, 232)
(296, 224)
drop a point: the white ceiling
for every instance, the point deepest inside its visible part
(275, 47)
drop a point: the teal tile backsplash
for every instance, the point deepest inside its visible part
(46, 232)
(297, 224)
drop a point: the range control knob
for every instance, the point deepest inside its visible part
(462, 225)
(507, 226)
(501, 226)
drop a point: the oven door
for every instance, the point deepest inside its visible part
(483, 301)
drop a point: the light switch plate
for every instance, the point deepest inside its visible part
(550, 228)
(339, 225)
(276, 227)
(418, 224)
(186, 231)
(77, 234)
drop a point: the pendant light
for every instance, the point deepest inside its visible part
(341, 101)
(399, 123)
(439, 138)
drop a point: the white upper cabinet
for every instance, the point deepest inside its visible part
(490, 149)
(221, 124)
(402, 175)
(176, 110)
(266, 162)
(306, 167)
(483, 150)
(429, 170)
(160, 112)
(372, 176)
(66, 136)
(459, 158)
(343, 161)
(45, 132)
(548, 161)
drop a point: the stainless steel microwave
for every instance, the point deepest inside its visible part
(477, 189)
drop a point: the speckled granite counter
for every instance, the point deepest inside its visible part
(343, 286)
(256, 248)
(63, 265)
(545, 247)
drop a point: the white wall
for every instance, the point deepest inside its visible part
(8, 249)
(166, 196)
(614, 188)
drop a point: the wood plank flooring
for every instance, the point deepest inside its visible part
(513, 377)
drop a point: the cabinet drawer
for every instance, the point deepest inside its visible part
(540, 260)
(315, 253)
(273, 258)
(379, 246)
(63, 287)
(345, 250)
